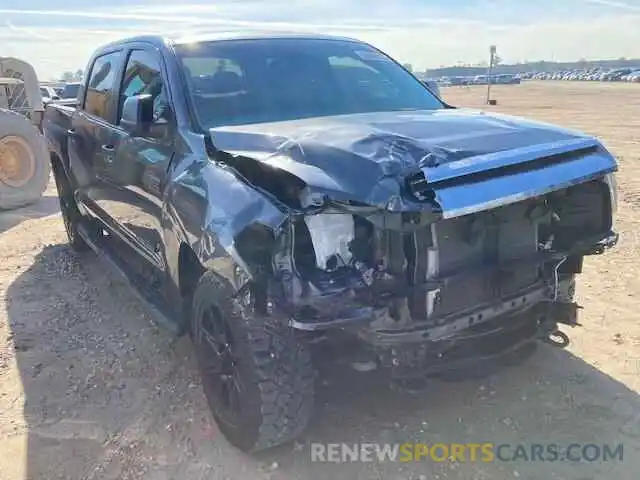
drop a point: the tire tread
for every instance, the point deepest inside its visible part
(282, 367)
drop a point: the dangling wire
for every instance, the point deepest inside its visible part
(555, 278)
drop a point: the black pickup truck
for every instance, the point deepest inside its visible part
(267, 194)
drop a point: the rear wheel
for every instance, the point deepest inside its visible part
(71, 215)
(257, 377)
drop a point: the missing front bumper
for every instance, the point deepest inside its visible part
(342, 309)
(480, 346)
(459, 325)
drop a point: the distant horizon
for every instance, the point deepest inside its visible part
(618, 62)
(552, 62)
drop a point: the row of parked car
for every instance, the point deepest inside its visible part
(627, 74)
(68, 91)
(498, 79)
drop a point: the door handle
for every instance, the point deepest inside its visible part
(108, 151)
(71, 132)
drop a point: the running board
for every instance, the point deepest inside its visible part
(153, 301)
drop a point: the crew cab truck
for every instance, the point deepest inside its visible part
(267, 194)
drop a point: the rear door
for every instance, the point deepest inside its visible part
(91, 134)
(137, 172)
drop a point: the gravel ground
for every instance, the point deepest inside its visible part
(91, 389)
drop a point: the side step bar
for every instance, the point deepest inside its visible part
(119, 267)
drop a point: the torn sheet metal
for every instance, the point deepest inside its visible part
(218, 205)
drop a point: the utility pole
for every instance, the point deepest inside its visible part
(492, 56)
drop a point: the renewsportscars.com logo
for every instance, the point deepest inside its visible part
(465, 452)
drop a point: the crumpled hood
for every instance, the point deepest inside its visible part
(357, 156)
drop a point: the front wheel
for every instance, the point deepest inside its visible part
(257, 377)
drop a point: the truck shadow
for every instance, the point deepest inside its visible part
(47, 205)
(108, 395)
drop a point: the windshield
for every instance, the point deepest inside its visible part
(71, 91)
(252, 81)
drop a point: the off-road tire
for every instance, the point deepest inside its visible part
(13, 124)
(274, 368)
(71, 215)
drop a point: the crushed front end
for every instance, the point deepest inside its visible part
(428, 294)
(431, 253)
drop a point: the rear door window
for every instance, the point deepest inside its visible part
(102, 86)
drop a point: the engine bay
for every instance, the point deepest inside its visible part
(393, 270)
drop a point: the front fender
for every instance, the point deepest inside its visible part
(211, 209)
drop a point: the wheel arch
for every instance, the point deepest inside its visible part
(190, 269)
(56, 162)
(245, 263)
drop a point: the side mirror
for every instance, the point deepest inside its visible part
(137, 114)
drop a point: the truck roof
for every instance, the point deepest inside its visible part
(255, 36)
(158, 40)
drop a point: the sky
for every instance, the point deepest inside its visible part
(59, 36)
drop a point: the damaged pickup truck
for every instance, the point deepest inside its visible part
(265, 193)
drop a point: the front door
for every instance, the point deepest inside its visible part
(137, 173)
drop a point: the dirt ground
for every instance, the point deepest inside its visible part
(91, 389)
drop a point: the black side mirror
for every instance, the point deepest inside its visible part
(137, 114)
